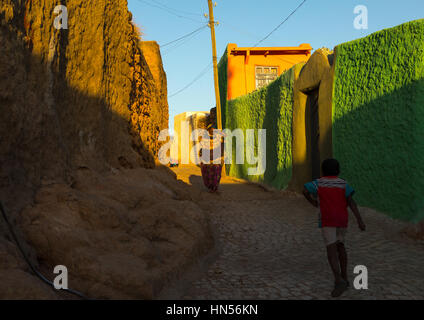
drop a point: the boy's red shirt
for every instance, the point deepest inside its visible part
(332, 193)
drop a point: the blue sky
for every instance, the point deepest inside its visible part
(322, 23)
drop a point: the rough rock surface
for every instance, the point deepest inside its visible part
(79, 106)
(77, 92)
(113, 235)
(151, 53)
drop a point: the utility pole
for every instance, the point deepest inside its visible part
(215, 65)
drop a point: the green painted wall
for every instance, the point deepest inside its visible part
(270, 108)
(222, 81)
(378, 119)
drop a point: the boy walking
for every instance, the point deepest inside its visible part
(333, 195)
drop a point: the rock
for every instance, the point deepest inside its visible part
(112, 234)
(78, 97)
(17, 284)
(151, 52)
(16, 281)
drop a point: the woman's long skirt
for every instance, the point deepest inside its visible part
(211, 174)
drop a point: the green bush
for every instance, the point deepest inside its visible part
(378, 119)
(270, 108)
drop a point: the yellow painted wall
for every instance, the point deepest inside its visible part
(325, 114)
(301, 165)
(184, 124)
(177, 134)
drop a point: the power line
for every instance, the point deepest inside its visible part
(204, 71)
(185, 36)
(173, 9)
(200, 75)
(170, 11)
(179, 44)
(172, 48)
(276, 28)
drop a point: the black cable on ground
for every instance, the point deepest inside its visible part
(34, 270)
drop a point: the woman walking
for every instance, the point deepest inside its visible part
(212, 169)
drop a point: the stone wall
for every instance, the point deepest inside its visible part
(79, 107)
(82, 97)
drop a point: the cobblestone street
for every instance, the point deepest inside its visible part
(269, 247)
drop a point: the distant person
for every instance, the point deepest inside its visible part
(173, 163)
(333, 195)
(212, 169)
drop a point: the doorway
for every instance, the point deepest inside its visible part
(312, 127)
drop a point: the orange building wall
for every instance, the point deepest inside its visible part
(242, 62)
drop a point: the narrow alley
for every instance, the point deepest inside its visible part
(269, 247)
